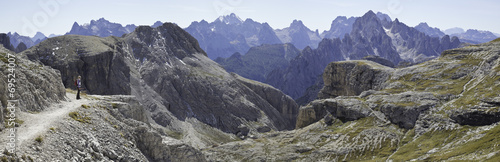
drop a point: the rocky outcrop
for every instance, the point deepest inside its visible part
(36, 86)
(5, 41)
(284, 104)
(158, 148)
(102, 71)
(344, 109)
(353, 77)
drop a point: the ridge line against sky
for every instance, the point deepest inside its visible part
(57, 16)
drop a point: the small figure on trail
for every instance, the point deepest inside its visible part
(78, 84)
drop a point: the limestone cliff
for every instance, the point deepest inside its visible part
(353, 77)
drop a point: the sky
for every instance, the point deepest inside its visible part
(57, 16)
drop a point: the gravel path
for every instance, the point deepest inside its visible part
(36, 124)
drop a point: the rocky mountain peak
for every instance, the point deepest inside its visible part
(384, 17)
(157, 24)
(231, 19)
(168, 37)
(297, 24)
(38, 36)
(430, 31)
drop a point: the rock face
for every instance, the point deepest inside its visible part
(285, 105)
(5, 41)
(157, 148)
(36, 85)
(101, 70)
(342, 109)
(167, 71)
(352, 78)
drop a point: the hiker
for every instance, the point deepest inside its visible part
(78, 84)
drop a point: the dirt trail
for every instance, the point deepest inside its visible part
(39, 123)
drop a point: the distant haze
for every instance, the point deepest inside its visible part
(57, 16)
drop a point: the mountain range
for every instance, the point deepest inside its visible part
(392, 41)
(154, 95)
(229, 34)
(472, 36)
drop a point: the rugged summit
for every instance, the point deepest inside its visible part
(340, 26)
(166, 70)
(430, 31)
(101, 28)
(299, 35)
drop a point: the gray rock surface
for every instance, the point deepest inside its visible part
(343, 109)
(37, 86)
(353, 77)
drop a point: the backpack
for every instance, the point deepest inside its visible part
(76, 83)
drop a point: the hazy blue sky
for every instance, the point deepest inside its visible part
(25, 16)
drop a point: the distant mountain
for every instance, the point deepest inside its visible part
(17, 39)
(396, 42)
(299, 35)
(101, 28)
(476, 36)
(53, 35)
(229, 34)
(433, 32)
(5, 41)
(157, 24)
(383, 17)
(340, 26)
(39, 36)
(259, 61)
(455, 30)
(415, 46)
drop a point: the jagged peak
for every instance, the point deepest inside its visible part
(396, 21)
(369, 13)
(230, 19)
(423, 24)
(297, 23)
(383, 16)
